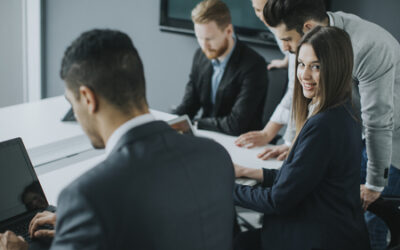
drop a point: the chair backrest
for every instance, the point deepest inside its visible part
(277, 86)
(388, 209)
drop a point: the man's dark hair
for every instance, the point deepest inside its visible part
(293, 13)
(106, 62)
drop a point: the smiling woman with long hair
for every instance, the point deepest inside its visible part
(313, 201)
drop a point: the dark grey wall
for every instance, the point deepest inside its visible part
(167, 57)
(11, 91)
(386, 13)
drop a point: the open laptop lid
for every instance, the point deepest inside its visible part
(183, 125)
(20, 190)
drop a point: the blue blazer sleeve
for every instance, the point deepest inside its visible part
(269, 176)
(300, 174)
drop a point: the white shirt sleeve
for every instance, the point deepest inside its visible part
(374, 188)
(282, 112)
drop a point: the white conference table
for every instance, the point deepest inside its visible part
(45, 136)
(61, 152)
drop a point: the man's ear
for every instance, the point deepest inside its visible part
(308, 25)
(229, 29)
(88, 98)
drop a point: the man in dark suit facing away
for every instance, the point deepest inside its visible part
(228, 80)
(156, 189)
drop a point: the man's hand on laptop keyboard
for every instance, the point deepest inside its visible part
(10, 241)
(42, 225)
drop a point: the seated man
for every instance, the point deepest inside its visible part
(228, 79)
(156, 189)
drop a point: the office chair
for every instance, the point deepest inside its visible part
(277, 86)
(388, 209)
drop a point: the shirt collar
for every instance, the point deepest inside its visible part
(217, 63)
(331, 21)
(311, 108)
(124, 128)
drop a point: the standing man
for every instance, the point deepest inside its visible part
(258, 6)
(228, 80)
(156, 189)
(376, 91)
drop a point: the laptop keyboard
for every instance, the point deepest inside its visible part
(22, 229)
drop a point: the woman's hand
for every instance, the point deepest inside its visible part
(279, 152)
(252, 173)
(253, 139)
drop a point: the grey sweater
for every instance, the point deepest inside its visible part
(376, 92)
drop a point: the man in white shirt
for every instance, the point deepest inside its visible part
(281, 115)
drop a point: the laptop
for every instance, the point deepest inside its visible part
(69, 116)
(21, 195)
(182, 125)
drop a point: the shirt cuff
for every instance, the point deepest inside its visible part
(374, 188)
(288, 143)
(280, 115)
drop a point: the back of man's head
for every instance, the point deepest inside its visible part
(293, 13)
(107, 62)
(212, 10)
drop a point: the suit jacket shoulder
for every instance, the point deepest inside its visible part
(247, 54)
(375, 49)
(155, 189)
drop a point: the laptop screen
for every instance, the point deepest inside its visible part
(20, 191)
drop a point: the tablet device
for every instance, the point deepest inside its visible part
(182, 125)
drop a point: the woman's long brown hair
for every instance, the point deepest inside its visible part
(332, 46)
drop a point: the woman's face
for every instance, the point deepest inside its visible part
(308, 71)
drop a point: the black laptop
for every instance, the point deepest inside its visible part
(21, 195)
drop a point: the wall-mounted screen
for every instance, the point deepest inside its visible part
(175, 17)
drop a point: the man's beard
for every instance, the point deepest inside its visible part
(215, 53)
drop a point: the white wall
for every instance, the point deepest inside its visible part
(11, 66)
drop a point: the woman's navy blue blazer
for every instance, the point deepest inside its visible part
(313, 201)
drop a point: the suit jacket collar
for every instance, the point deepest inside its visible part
(142, 131)
(119, 132)
(337, 20)
(229, 72)
(208, 71)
